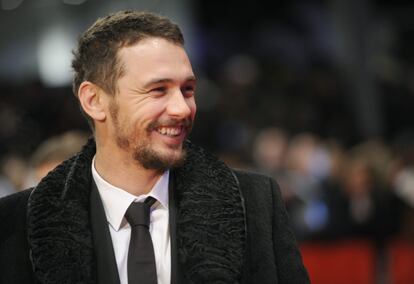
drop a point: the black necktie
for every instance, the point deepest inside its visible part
(141, 258)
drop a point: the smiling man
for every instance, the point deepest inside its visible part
(140, 203)
(143, 125)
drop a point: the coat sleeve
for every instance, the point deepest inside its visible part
(289, 263)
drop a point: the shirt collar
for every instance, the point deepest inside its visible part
(116, 200)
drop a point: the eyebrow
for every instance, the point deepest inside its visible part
(160, 81)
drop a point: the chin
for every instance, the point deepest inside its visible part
(160, 160)
(172, 156)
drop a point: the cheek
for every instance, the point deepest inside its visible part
(148, 113)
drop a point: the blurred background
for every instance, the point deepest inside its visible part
(317, 94)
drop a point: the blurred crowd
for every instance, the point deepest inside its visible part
(333, 192)
(18, 173)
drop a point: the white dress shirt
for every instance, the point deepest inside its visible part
(116, 202)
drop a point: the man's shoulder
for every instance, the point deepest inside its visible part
(251, 178)
(13, 216)
(14, 204)
(257, 189)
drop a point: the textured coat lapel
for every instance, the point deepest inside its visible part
(210, 222)
(211, 225)
(59, 229)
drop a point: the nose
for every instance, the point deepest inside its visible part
(179, 106)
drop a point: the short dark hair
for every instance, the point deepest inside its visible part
(96, 56)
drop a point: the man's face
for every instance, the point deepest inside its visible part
(154, 108)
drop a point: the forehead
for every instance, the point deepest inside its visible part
(155, 57)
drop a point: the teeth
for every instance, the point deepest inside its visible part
(169, 131)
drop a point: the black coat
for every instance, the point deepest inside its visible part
(231, 227)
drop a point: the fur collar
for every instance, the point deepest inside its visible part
(211, 226)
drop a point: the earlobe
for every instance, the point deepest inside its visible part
(90, 99)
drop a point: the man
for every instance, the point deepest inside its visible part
(209, 224)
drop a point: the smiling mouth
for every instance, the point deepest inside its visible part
(171, 131)
(171, 128)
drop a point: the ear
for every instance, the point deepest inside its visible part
(90, 98)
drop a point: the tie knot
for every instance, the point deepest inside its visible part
(138, 213)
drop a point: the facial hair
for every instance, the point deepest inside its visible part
(139, 144)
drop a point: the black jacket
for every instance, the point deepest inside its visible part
(230, 227)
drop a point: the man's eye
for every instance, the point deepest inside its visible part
(188, 91)
(158, 90)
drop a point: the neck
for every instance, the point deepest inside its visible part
(119, 169)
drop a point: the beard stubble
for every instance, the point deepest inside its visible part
(139, 144)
